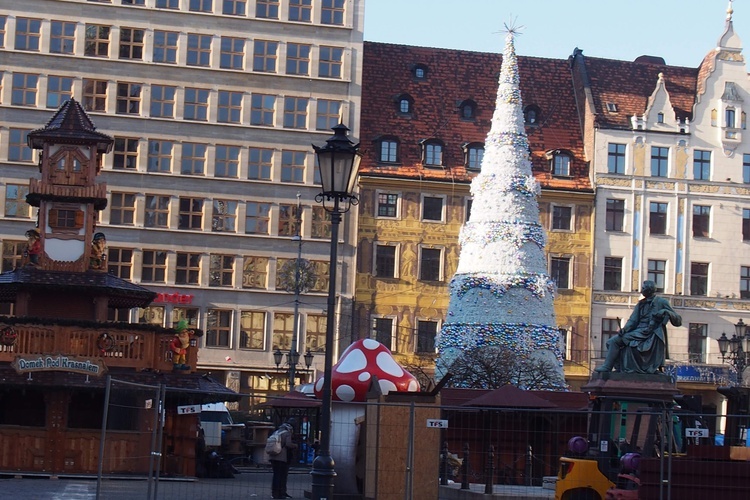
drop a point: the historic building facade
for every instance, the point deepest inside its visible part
(672, 173)
(425, 116)
(213, 106)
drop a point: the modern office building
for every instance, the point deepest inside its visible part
(213, 106)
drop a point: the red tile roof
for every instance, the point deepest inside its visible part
(629, 85)
(452, 77)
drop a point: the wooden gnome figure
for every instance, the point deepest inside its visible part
(181, 343)
(98, 257)
(33, 248)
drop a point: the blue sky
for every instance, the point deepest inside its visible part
(680, 31)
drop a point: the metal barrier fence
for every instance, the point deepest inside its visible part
(131, 437)
(414, 449)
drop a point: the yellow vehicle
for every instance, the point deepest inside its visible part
(618, 427)
(580, 479)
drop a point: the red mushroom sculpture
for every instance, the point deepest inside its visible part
(352, 375)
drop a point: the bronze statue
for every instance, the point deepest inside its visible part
(641, 346)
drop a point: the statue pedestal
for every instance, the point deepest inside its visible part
(615, 384)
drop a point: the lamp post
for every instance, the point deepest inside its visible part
(735, 350)
(338, 164)
(297, 286)
(292, 359)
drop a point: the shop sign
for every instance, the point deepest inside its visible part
(173, 298)
(59, 363)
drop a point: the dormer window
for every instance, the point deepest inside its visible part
(468, 109)
(532, 115)
(560, 162)
(420, 71)
(405, 104)
(388, 150)
(612, 107)
(660, 118)
(473, 154)
(432, 153)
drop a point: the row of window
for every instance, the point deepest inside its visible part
(702, 163)
(193, 269)
(221, 325)
(331, 11)
(392, 261)
(658, 219)
(192, 158)
(154, 211)
(657, 271)
(467, 109)
(697, 335)
(472, 153)
(243, 329)
(432, 152)
(172, 47)
(196, 214)
(167, 101)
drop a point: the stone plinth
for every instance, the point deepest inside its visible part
(615, 384)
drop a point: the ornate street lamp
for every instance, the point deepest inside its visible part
(277, 357)
(338, 164)
(292, 359)
(735, 350)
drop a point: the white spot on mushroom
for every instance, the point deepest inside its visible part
(371, 344)
(364, 376)
(387, 386)
(413, 386)
(319, 384)
(345, 392)
(386, 363)
(353, 362)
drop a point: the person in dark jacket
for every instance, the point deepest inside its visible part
(280, 463)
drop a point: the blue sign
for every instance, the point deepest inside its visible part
(702, 374)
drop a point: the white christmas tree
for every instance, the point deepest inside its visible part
(501, 294)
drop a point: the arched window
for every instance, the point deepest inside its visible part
(468, 109)
(560, 162)
(420, 71)
(532, 115)
(405, 104)
(432, 153)
(473, 154)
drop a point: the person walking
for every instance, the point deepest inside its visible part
(280, 462)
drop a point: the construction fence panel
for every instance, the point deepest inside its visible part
(390, 449)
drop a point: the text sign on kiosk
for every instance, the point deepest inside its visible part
(696, 433)
(188, 409)
(434, 423)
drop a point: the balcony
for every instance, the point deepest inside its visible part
(115, 345)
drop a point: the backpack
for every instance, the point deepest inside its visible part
(273, 443)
